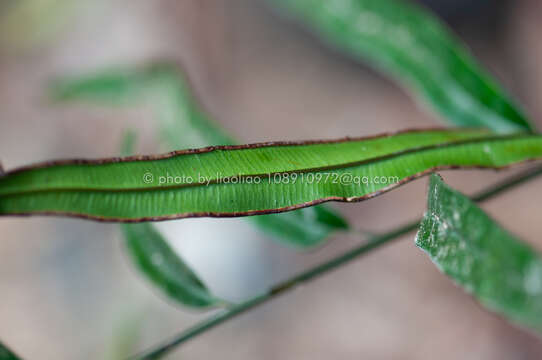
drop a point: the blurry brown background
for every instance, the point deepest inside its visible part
(67, 290)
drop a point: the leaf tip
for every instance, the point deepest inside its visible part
(435, 180)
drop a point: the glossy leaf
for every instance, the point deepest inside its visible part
(164, 268)
(6, 354)
(185, 124)
(251, 179)
(499, 270)
(158, 262)
(408, 43)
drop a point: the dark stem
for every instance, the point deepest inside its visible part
(375, 242)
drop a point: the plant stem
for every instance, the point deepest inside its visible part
(375, 242)
(507, 184)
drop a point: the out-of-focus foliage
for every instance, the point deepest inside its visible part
(410, 44)
(182, 121)
(26, 23)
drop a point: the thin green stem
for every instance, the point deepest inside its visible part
(508, 183)
(277, 290)
(375, 242)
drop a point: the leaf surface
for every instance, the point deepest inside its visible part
(251, 179)
(184, 123)
(164, 268)
(499, 270)
(408, 43)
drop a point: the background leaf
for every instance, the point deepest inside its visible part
(164, 268)
(411, 45)
(159, 263)
(34, 22)
(305, 227)
(253, 179)
(503, 273)
(184, 123)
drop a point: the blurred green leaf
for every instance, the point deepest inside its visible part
(182, 121)
(26, 23)
(156, 260)
(127, 145)
(185, 124)
(6, 354)
(503, 273)
(164, 268)
(408, 43)
(126, 333)
(305, 227)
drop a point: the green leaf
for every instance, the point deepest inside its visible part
(6, 354)
(251, 179)
(503, 273)
(164, 268)
(157, 261)
(184, 123)
(127, 145)
(27, 23)
(408, 43)
(305, 227)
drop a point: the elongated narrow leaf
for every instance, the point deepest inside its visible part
(407, 42)
(157, 261)
(6, 354)
(251, 179)
(185, 124)
(503, 273)
(164, 268)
